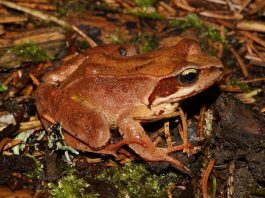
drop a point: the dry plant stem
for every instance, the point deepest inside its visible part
(244, 6)
(178, 148)
(240, 61)
(253, 80)
(221, 16)
(260, 55)
(184, 5)
(156, 134)
(38, 6)
(167, 134)
(28, 90)
(184, 127)
(170, 190)
(125, 160)
(257, 26)
(47, 17)
(254, 38)
(34, 79)
(12, 144)
(201, 122)
(3, 142)
(13, 19)
(33, 124)
(205, 178)
(156, 118)
(92, 160)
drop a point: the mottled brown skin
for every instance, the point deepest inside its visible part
(102, 88)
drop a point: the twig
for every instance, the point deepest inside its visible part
(240, 61)
(184, 127)
(254, 38)
(167, 135)
(244, 6)
(201, 122)
(13, 19)
(170, 189)
(221, 16)
(253, 80)
(248, 25)
(205, 178)
(34, 79)
(47, 17)
(183, 5)
(12, 144)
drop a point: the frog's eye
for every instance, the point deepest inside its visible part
(122, 51)
(188, 76)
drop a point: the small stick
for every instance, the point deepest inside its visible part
(34, 79)
(221, 16)
(244, 6)
(184, 127)
(253, 80)
(201, 122)
(47, 17)
(3, 142)
(240, 61)
(248, 25)
(178, 148)
(183, 5)
(13, 19)
(11, 144)
(92, 160)
(156, 134)
(170, 190)
(254, 38)
(167, 135)
(205, 178)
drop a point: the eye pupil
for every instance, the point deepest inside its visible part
(188, 76)
(122, 51)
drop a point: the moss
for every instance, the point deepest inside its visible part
(70, 187)
(30, 52)
(38, 172)
(146, 12)
(147, 42)
(215, 35)
(3, 88)
(134, 180)
(116, 37)
(145, 3)
(190, 21)
(242, 86)
(66, 8)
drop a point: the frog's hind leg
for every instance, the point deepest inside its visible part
(86, 123)
(130, 128)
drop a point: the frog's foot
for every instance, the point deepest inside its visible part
(129, 128)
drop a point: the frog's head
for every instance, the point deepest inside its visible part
(192, 72)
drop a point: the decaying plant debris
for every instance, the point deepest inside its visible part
(227, 137)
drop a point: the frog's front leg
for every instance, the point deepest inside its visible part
(131, 128)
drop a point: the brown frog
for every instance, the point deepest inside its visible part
(111, 85)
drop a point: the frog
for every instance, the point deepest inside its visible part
(112, 86)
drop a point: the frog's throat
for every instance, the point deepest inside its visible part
(164, 108)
